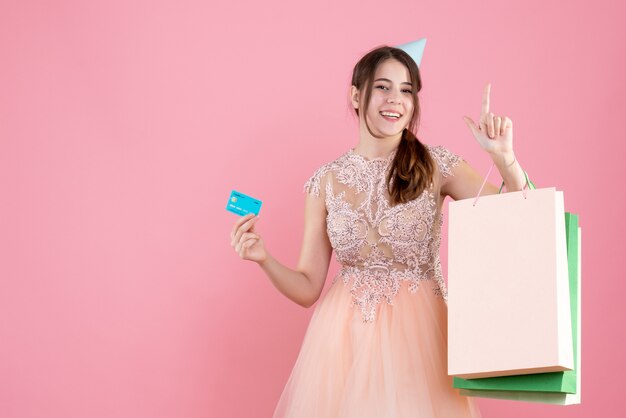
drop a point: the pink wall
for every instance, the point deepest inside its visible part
(124, 126)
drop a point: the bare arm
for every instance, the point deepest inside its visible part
(466, 181)
(304, 284)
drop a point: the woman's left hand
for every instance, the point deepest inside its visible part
(495, 133)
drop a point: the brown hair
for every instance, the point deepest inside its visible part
(412, 167)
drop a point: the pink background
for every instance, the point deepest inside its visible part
(125, 125)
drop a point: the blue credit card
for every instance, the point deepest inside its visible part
(242, 204)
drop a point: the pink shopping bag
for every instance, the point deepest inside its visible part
(508, 290)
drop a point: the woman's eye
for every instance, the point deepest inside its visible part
(384, 87)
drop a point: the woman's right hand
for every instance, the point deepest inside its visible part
(247, 243)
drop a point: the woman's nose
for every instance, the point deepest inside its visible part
(394, 98)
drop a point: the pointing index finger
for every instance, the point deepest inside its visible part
(485, 107)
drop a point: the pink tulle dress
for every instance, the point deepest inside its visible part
(376, 346)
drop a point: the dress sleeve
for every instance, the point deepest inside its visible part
(315, 184)
(446, 159)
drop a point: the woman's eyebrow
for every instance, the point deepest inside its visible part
(386, 79)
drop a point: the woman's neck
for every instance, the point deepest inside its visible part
(377, 148)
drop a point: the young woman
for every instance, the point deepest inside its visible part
(376, 345)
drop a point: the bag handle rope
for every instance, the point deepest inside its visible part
(528, 183)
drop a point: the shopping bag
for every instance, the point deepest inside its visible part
(559, 382)
(508, 289)
(542, 389)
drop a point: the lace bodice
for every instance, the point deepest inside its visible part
(377, 245)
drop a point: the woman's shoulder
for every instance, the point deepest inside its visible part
(445, 158)
(316, 180)
(439, 150)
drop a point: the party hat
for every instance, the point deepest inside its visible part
(415, 49)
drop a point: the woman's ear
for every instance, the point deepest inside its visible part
(354, 97)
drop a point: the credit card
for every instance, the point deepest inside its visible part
(242, 204)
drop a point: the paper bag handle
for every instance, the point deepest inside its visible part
(528, 183)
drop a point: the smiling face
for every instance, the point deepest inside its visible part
(391, 92)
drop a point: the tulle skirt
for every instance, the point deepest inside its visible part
(394, 367)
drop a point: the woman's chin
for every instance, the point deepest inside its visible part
(391, 132)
